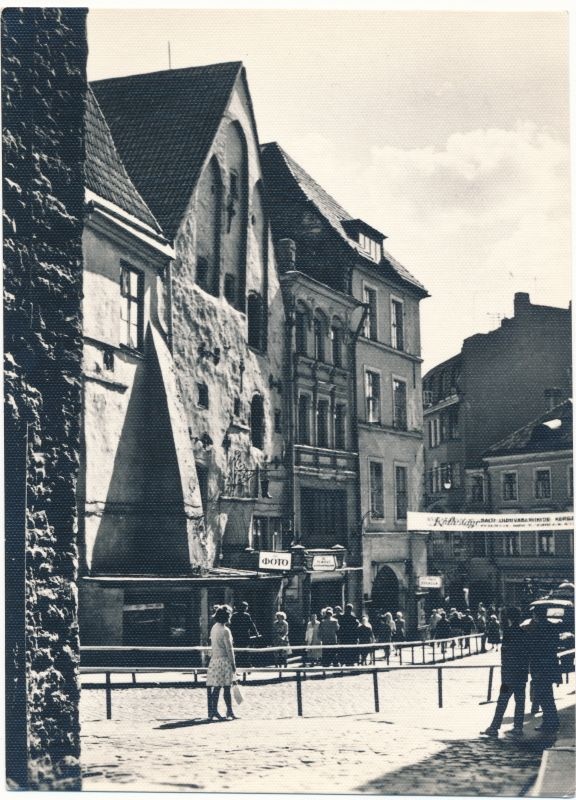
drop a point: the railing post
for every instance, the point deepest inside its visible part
(299, 692)
(108, 696)
(423, 652)
(400, 655)
(433, 652)
(412, 653)
(440, 697)
(376, 695)
(490, 679)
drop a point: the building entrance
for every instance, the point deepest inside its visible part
(385, 593)
(324, 594)
(323, 517)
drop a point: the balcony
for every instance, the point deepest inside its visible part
(323, 458)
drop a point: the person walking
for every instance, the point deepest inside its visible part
(365, 636)
(280, 630)
(544, 641)
(348, 635)
(312, 640)
(443, 630)
(243, 629)
(467, 626)
(514, 672)
(222, 667)
(432, 622)
(493, 632)
(400, 625)
(387, 632)
(328, 634)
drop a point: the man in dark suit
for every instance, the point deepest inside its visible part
(544, 638)
(243, 629)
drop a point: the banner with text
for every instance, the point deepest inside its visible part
(491, 523)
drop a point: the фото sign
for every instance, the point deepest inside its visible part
(491, 523)
(324, 563)
(430, 582)
(274, 561)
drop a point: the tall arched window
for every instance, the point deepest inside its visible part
(337, 340)
(319, 336)
(257, 421)
(301, 323)
(236, 212)
(256, 322)
(208, 229)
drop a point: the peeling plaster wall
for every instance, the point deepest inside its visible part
(200, 319)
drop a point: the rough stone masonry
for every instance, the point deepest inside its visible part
(44, 81)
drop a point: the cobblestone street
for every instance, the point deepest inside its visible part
(160, 740)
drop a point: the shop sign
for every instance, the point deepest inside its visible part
(323, 563)
(143, 606)
(489, 523)
(430, 582)
(274, 561)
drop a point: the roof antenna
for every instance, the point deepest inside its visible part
(169, 57)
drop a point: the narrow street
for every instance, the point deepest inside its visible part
(159, 739)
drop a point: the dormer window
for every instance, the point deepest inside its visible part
(370, 246)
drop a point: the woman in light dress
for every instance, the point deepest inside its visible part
(280, 639)
(222, 667)
(314, 649)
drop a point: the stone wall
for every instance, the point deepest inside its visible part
(44, 80)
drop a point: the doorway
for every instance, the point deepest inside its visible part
(385, 592)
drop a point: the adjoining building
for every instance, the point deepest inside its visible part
(498, 382)
(347, 255)
(531, 470)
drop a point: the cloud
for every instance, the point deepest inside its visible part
(476, 220)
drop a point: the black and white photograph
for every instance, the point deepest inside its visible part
(288, 461)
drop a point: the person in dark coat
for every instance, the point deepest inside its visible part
(328, 635)
(515, 659)
(467, 626)
(365, 636)
(544, 641)
(243, 629)
(493, 632)
(348, 634)
(443, 629)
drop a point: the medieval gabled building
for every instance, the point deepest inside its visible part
(347, 255)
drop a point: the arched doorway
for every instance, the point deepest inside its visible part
(385, 593)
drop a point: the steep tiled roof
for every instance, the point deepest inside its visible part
(106, 175)
(163, 125)
(550, 431)
(280, 167)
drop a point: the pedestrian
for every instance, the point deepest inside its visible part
(543, 644)
(280, 630)
(493, 632)
(514, 673)
(387, 632)
(366, 636)
(312, 639)
(222, 667)
(432, 622)
(400, 632)
(328, 634)
(338, 614)
(348, 635)
(467, 626)
(443, 630)
(243, 630)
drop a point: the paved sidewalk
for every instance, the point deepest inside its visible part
(159, 739)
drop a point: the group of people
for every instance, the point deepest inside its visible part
(444, 624)
(528, 648)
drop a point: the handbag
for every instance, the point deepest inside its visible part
(237, 694)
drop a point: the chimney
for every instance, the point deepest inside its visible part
(286, 250)
(521, 302)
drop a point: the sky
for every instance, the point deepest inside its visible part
(447, 131)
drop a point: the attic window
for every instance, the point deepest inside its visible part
(370, 246)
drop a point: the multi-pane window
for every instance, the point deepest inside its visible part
(131, 307)
(340, 426)
(256, 314)
(453, 423)
(203, 396)
(436, 430)
(277, 421)
(512, 543)
(399, 398)
(546, 543)
(267, 533)
(336, 335)
(477, 489)
(301, 332)
(318, 339)
(376, 490)
(542, 488)
(401, 474)
(510, 486)
(397, 324)
(371, 322)
(322, 435)
(478, 544)
(370, 246)
(430, 434)
(372, 396)
(304, 419)
(257, 421)
(443, 427)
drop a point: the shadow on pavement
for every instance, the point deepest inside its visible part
(185, 723)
